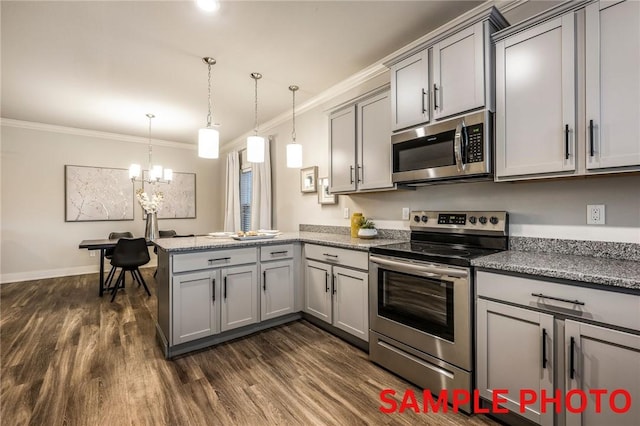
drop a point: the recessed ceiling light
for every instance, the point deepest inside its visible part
(209, 5)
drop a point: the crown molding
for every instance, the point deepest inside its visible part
(43, 127)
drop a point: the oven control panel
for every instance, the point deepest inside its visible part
(460, 221)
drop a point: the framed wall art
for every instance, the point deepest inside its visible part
(179, 196)
(324, 197)
(308, 178)
(97, 194)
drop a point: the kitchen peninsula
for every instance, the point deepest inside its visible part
(211, 290)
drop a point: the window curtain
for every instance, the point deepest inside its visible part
(261, 191)
(232, 200)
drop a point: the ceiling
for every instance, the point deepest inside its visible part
(102, 65)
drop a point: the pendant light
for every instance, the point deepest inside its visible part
(294, 149)
(255, 143)
(156, 172)
(208, 138)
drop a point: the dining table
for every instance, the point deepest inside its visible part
(102, 245)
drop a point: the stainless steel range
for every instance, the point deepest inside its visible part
(421, 297)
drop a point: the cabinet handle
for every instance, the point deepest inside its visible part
(326, 282)
(571, 361)
(435, 97)
(359, 174)
(264, 280)
(226, 259)
(330, 255)
(333, 284)
(591, 138)
(575, 302)
(224, 292)
(566, 141)
(213, 281)
(544, 348)
(351, 173)
(424, 109)
(279, 253)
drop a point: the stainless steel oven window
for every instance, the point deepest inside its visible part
(422, 303)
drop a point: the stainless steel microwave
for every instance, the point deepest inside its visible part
(459, 148)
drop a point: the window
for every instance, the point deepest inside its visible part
(245, 197)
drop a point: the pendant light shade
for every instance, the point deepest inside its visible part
(208, 143)
(208, 137)
(255, 149)
(294, 149)
(255, 143)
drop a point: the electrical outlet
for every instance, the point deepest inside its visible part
(405, 213)
(595, 214)
(345, 214)
(92, 253)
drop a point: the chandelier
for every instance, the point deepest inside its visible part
(156, 173)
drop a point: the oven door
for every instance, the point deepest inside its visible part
(423, 305)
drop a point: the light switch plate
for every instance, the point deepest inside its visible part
(346, 213)
(595, 214)
(405, 213)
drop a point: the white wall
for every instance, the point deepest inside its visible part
(36, 241)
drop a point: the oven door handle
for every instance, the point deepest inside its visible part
(423, 270)
(458, 140)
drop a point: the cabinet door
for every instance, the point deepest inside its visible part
(374, 142)
(410, 91)
(351, 301)
(458, 72)
(514, 352)
(601, 359)
(613, 84)
(195, 306)
(342, 150)
(239, 297)
(277, 289)
(317, 286)
(535, 94)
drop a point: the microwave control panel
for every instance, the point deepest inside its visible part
(475, 138)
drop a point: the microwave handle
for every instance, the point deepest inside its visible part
(458, 140)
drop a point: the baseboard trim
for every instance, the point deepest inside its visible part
(55, 273)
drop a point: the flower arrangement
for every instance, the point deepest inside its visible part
(150, 205)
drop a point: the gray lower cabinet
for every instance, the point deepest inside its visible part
(277, 289)
(544, 336)
(335, 292)
(239, 305)
(196, 311)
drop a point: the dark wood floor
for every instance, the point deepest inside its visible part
(70, 357)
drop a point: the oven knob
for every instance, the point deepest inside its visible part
(416, 218)
(483, 220)
(493, 220)
(424, 218)
(472, 220)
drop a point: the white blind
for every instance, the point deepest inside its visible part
(245, 200)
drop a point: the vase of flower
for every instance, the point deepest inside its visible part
(150, 206)
(151, 229)
(367, 229)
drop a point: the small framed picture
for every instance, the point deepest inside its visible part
(308, 178)
(323, 192)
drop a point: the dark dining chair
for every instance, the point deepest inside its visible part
(108, 253)
(129, 254)
(163, 234)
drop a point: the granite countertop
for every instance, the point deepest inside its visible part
(205, 242)
(603, 271)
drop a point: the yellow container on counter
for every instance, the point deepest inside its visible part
(355, 224)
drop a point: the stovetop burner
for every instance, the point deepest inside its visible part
(453, 238)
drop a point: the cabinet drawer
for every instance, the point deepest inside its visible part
(213, 259)
(338, 256)
(282, 251)
(603, 306)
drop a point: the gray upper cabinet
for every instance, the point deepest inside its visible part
(410, 91)
(458, 72)
(342, 150)
(360, 145)
(535, 100)
(613, 84)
